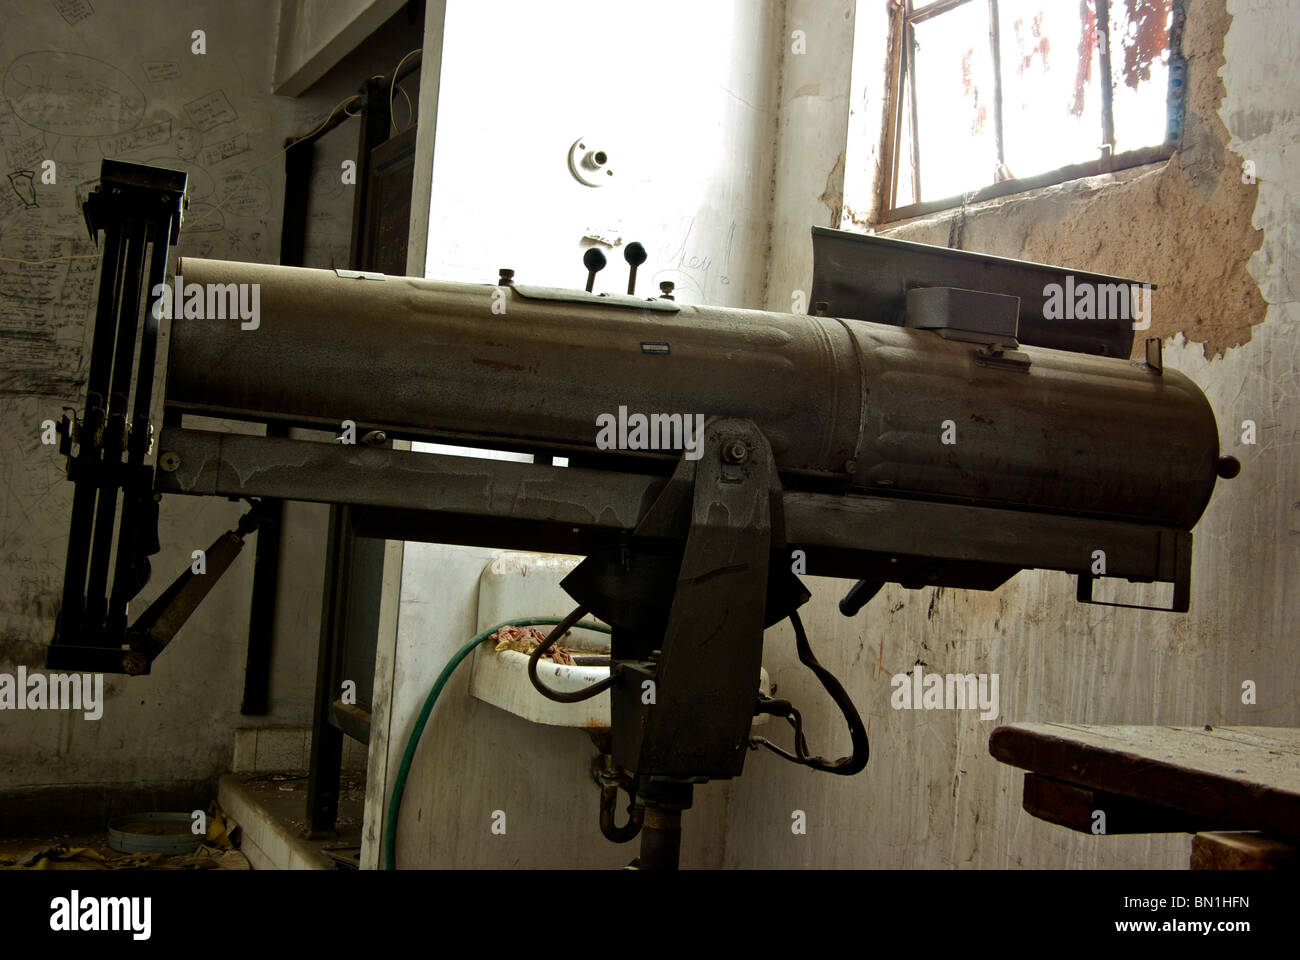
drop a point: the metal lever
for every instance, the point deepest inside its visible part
(594, 261)
(635, 255)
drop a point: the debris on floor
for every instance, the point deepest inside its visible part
(216, 852)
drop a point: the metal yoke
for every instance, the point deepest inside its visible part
(686, 670)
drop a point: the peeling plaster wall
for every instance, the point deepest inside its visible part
(1224, 256)
(1184, 225)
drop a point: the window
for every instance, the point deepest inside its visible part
(993, 97)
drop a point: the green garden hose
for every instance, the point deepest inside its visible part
(399, 784)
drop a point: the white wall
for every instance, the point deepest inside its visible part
(682, 98)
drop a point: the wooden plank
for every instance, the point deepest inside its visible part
(1248, 776)
(1076, 807)
(1242, 851)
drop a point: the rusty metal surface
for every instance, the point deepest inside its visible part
(234, 465)
(428, 356)
(1087, 434)
(444, 499)
(712, 647)
(1073, 434)
(867, 277)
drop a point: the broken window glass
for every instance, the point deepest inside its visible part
(997, 90)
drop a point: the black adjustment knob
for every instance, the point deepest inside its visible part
(594, 261)
(635, 255)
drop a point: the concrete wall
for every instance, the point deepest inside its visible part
(314, 35)
(1223, 253)
(211, 115)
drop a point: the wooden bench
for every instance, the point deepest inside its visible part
(1236, 788)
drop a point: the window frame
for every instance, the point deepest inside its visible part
(902, 76)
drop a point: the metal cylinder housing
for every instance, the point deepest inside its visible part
(868, 406)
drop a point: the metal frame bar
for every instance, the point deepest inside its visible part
(115, 422)
(256, 700)
(342, 550)
(1102, 12)
(570, 510)
(1074, 171)
(995, 49)
(892, 123)
(943, 6)
(909, 52)
(134, 512)
(72, 616)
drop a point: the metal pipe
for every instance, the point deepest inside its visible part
(661, 838)
(843, 403)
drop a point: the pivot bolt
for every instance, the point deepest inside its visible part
(169, 462)
(733, 451)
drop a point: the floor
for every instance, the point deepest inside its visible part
(261, 825)
(270, 809)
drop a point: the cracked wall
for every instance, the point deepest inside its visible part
(1183, 224)
(1223, 253)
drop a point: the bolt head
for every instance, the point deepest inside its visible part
(733, 451)
(169, 462)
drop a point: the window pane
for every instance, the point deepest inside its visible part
(955, 113)
(1139, 67)
(1051, 84)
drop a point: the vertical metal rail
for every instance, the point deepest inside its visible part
(342, 550)
(72, 615)
(139, 504)
(1107, 93)
(909, 52)
(996, 50)
(256, 700)
(892, 127)
(115, 424)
